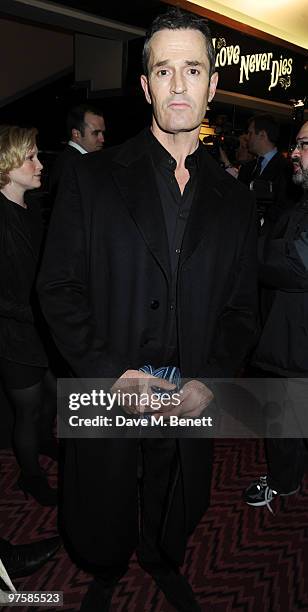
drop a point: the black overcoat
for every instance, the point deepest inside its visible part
(61, 165)
(106, 264)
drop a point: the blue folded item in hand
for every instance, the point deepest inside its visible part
(170, 373)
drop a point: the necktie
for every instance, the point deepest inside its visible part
(257, 169)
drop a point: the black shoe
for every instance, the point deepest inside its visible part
(177, 591)
(98, 597)
(39, 488)
(259, 493)
(24, 559)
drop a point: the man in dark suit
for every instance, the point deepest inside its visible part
(134, 272)
(282, 350)
(85, 127)
(269, 174)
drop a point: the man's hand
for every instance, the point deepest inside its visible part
(139, 389)
(195, 397)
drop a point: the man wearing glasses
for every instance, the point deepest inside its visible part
(299, 155)
(283, 347)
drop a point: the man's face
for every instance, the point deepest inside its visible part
(254, 141)
(299, 158)
(178, 85)
(93, 137)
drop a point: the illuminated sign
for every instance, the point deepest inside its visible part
(280, 69)
(258, 68)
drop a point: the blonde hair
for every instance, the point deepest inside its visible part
(15, 144)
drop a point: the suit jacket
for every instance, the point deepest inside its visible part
(279, 172)
(60, 167)
(276, 167)
(104, 288)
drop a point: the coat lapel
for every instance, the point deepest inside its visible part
(206, 206)
(135, 179)
(137, 185)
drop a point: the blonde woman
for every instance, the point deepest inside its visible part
(27, 381)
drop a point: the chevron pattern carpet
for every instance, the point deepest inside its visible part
(239, 558)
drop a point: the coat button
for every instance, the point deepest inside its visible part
(154, 304)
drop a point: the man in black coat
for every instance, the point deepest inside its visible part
(283, 345)
(85, 126)
(150, 258)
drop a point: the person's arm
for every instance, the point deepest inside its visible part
(284, 263)
(227, 164)
(237, 326)
(63, 287)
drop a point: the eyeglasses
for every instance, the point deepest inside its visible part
(301, 145)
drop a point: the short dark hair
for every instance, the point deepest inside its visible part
(176, 19)
(75, 118)
(267, 123)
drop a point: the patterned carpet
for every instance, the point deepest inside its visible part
(239, 558)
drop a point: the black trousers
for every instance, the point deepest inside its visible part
(158, 473)
(286, 463)
(286, 455)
